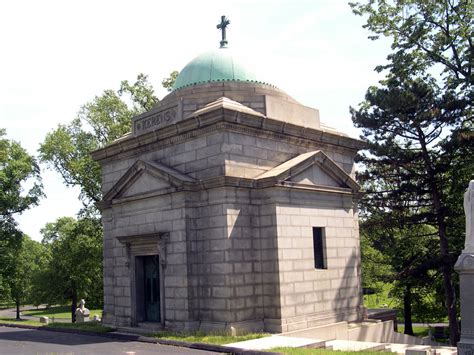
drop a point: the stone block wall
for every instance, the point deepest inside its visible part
(236, 255)
(268, 249)
(200, 157)
(249, 156)
(142, 217)
(225, 259)
(221, 153)
(310, 296)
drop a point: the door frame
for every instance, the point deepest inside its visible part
(146, 245)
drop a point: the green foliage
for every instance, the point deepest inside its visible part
(107, 117)
(383, 296)
(74, 268)
(403, 259)
(425, 33)
(414, 163)
(168, 83)
(420, 135)
(141, 94)
(27, 262)
(17, 168)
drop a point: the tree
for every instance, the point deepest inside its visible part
(402, 257)
(168, 83)
(412, 128)
(74, 269)
(75, 247)
(17, 168)
(427, 36)
(425, 33)
(99, 122)
(28, 259)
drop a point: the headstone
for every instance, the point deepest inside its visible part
(82, 313)
(465, 268)
(44, 320)
(96, 318)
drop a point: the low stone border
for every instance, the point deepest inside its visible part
(143, 339)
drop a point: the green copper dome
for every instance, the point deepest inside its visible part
(217, 65)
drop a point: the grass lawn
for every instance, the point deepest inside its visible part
(95, 327)
(4, 305)
(23, 321)
(419, 331)
(213, 338)
(306, 351)
(58, 312)
(381, 299)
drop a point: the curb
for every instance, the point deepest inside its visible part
(144, 339)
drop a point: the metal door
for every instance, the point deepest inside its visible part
(152, 288)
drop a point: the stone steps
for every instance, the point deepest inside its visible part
(341, 345)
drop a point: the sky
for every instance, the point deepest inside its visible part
(57, 55)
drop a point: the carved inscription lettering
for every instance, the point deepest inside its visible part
(155, 121)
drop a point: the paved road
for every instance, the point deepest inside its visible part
(11, 312)
(29, 341)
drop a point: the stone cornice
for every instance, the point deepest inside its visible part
(226, 119)
(231, 181)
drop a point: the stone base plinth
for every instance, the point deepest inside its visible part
(465, 267)
(466, 347)
(82, 319)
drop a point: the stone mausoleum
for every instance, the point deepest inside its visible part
(230, 206)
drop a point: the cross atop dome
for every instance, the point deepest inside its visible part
(222, 26)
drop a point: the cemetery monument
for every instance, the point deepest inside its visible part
(230, 206)
(465, 267)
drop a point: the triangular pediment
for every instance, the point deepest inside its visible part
(228, 104)
(312, 169)
(316, 175)
(144, 178)
(144, 184)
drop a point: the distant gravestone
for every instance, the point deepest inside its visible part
(465, 267)
(44, 320)
(82, 313)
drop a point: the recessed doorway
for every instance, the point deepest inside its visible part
(148, 288)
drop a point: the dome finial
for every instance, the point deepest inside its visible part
(222, 26)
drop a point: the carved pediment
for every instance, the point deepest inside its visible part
(316, 175)
(313, 169)
(144, 178)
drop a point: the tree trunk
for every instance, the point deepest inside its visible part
(407, 311)
(73, 306)
(447, 270)
(17, 303)
(449, 292)
(450, 299)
